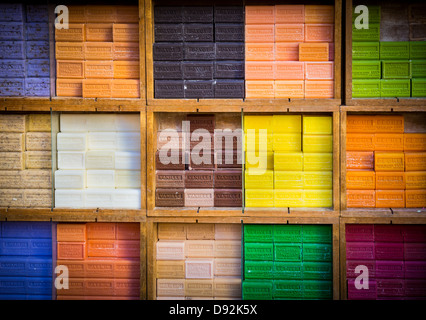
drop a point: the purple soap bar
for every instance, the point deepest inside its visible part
(12, 50)
(12, 69)
(360, 251)
(168, 70)
(389, 269)
(352, 264)
(363, 294)
(231, 14)
(170, 160)
(38, 68)
(199, 51)
(37, 49)
(199, 89)
(168, 14)
(166, 32)
(415, 288)
(229, 89)
(203, 14)
(389, 251)
(414, 233)
(388, 233)
(168, 51)
(37, 13)
(12, 87)
(12, 12)
(415, 269)
(199, 179)
(415, 251)
(228, 179)
(37, 87)
(37, 31)
(390, 288)
(229, 160)
(229, 70)
(197, 70)
(170, 179)
(228, 198)
(231, 32)
(230, 51)
(198, 32)
(169, 197)
(202, 160)
(169, 89)
(11, 31)
(359, 232)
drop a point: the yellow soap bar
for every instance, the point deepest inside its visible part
(259, 198)
(39, 122)
(288, 179)
(288, 161)
(12, 142)
(318, 198)
(318, 180)
(38, 159)
(256, 160)
(12, 123)
(258, 122)
(12, 161)
(317, 143)
(38, 141)
(286, 123)
(287, 142)
(288, 198)
(317, 161)
(258, 142)
(317, 125)
(259, 179)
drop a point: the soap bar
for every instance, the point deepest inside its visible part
(12, 31)
(290, 32)
(13, 123)
(202, 70)
(317, 125)
(98, 69)
(417, 50)
(38, 141)
(223, 51)
(394, 50)
(227, 179)
(70, 179)
(418, 88)
(367, 88)
(289, 89)
(415, 161)
(127, 69)
(199, 179)
(286, 51)
(256, 33)
(259, 70)
(37, 13)
(199, 88)
(319, 33)
(71, 141)
(193, 14)
(288, 161)
(71, 250)
(361, 124)
(12, 161)
(199, 198)
(284, 198)
(39, 68)
(317, 143)
(229, 160)
(361, 198)
(98, 51)
(228, 198)
(229, 88)
(166, 14)
(12, 68)
(360, 180)
(313, 51)
(97, 88)
(393, 69)
(171, 231)
(74, 33)
(318, 198)
(288, 179)
(169, 198)
(370, 34)
(12, 142)
(128, 51)
(100, 13)
(170, 179)
(12, 87)
(99, 32)
(414, 141)
(100, 178)
(170, 70)
(415, 180)
(259, 51)
(123, 88)
(319, 71)
(70, 69)
(69, 199)
(260, 89)
(198, 32)
(389, 141)
(387, 161)
(283, 142)
(229, 32)
(229, 70)
(202, 231)
(199, 268)
(199, 248)
(260, 161)
(319, 89)
(366, 50)
(168, 32)
(100, 160)
(199, 51)
(319, 14)
(69, 87)
(289, 70)
(318, 180)
(12, 50)
(259, 179)
(126, 160)
(37, 87)
(70, 50)
(229, 14)
(389, 124)
(415, 198)
(359, 160)
(289, 14)
(169, 89)
(395, 88)
(366, 69)
(38, 159)
(169, 160)
(125, 32)
(390, 180)
(12, 12)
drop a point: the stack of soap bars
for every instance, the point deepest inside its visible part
(198, 261)
(98, 55)
(24, 50)
(289, 51)
(25, 164)
(286, 166)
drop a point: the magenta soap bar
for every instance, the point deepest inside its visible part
(414, 251)
(414, 233)
(352, 264)
(356, 294)
(390, 288)
(415, 269)
(389, 251)
(390, 269)
(388, 233)
(359, 232)
(360, 251)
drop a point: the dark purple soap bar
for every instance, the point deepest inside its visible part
(228, 179)
(170, 179)
(12, 12)
(231, 14)
(170, 160)
(169, 89)
(230, 51)
(229, 89)
(199, 51)
(169, 197)
(201, 121)
(231, 32)
(37, 49)
(37, 87)
(198, 32)
(166, 32)
(199, 89)
(37, 31)
(202, 160)
(168, 51)
(168, 14)
(228, 160)
(12, 50)
(12, 68)
(37, 13)
(229, 70)
(203, 14)
(169, 70)
(198, 70)
(228, 198)
(11, 31)
(199, 179)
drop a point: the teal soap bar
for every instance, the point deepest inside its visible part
(258, 233)
(374, 14)
(396, 69)
(395, 88)
(418, 68)
(316, 233)
(288, 233)
(366, 88)
(417, 49)
(259, 251)
(418, 88)
(394, 50)
(366, 69)
(366, 50)
(370, 34)
(257, 290)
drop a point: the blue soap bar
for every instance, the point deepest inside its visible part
(12, 68)
(37, 31)
(203, 14)
(37, 13)
(12, 50)
(12, 266)
(12, 87)
(199, 89)
(11, 31)
(38, 68)
(229, 89)
(230, 51)
(26, 247)
(12, 12)
(231, 14)
(199, 51)
(26, 285)
(37, 87)
(165, 32)
(168, 51)
(168, 70)
(38, 286)
(167, 89)
(24, 297)
(201, 70)
(198, 32)
(229, 32)
(26, 230)
(37, 49)
(229, 70)
(165, 14)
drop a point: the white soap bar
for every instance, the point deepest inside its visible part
(128, 122)
(128, 141)
(127, 179)
(100, 178)
(100, 160)
(199, 268)
(127, 199)
(170, 250)
(71, 141)
(101, 122)
(101, 140)
(70, 179)
(74, 199)
(73, 122)
(99, 198)
(128, 160)
(71, 160)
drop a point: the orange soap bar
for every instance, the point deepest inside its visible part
(360, 124)
(319, 33)
(313, 51)
(100, 13)
(260, 14)
(361, 198)
(97, 88)
(74, 232)
(98, 69)
(390, 180)
(77, 14)
(415, 198)
(123, 88)
(125, 51)
(74, 33)
(415, 161)
(259, 33)
(126, 69)
(415, 180)
(359, 160)
(289, 14)
(101, 231)
(69, 87)
(259, 70)
(71, 250)
(331, 51)
(289, 89)
(69, 50)
(126, 14)
(414, 141)
(360, 180)
(390, 198)
(389, 124)
(389, 142)
(70, 69)
(125, 32)
(289, 70)
(388, 161)
(128, 231)
(260, 89)
(101, 32)
(286, 51)
(291, 32)
(98, 51)
(319, 70)
(319, 14)
(260, 51)
(319, 89)
(360, 142)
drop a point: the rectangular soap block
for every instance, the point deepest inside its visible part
(74, 33)
(289, 14)
(394, 69)
(388, 142)
(69, 87)
(167, 14)
(70, 69)
(204, 51)
(12, 87)
(70, 179)
(389, 124)
(317, 125)
(415, 180)
(390, 198)
(319, 32)
(288, 179)
(395, 88)
(361, 198)
(169, 89)
(361, 124)
(199, 198)
(38, 68)
(168, 51)
(170, 269)
(227, 179)
(171, 288)
(366, 50)
(227, 249)
(199, 248)
(228, 198)
(172, 70)
(12, 12)
(259, 51)
(394, 50)
(227, 288)
(170, 179)
(12, 50)
(313, 51)
(418, 88)
(229, 88)
(12, 31)
(288, 161)
(319, 70)
(26, 179)
(259, 270)
(12, 142)
(100, 178)
(360, 180)
(164, 32)
(229, 70)
(417, 50)
(74, 250)
(390, 180)
(366, 88)
(205, 231)
(227, 232)
(259, 14)
(259, 70)
(12, 198)
(193, 14)
(289, 89)
(229, 32)
(169, 197)
(360, 251)
(318, 198)
(199, 268)
(371, 34)
(259, 251)
(288, 198)
(38, 159)
(127, 51)
(98, 69)
(202, 70)
(259, 179)
(291, 32)
(97, 88)
(12, 161)
(283, 142)
(123, 88)
(95, 51)
(318, 180)
(319, 14)
(366, 69)
(100, 160)
(199, 288)
(170, 160)
(257, 290)
(289, 70)
(69, 199)
(229, 14)
(37, 87)
(71, 232)
(198, 179)
(13, 123)
(100, 13)
(125, 32)
(222, 51)
(198, 32)
(287, 124)
(319, 89)
(259, 198)
(37, 13)
(127, 160)
(389, 161)
(38, 141)
(317, 143)
(202, 159)
(415, 161)
(37, 31)
(286, 51)
(260, 89)
(71, 141)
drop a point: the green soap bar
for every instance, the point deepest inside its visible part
(365, 88)
(396, 69)
(418, 68)
(317, 252)
(395, 88)
(365, 50)
(287, 289)
(370, 34)
(417, 49)
(374, 14)
(258, 269)
(316, 233)
(259, 251)
(287, 270)
(394, 50)
(366, 69)
(317, 289)
(418, 88)
(287, 252)
(258, 233)
(257, 290)
(317, 271)
(288, 233)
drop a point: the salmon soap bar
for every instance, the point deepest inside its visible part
(260, 14)
(319, 70)
(319, 33)
(286, 51)
(289, 89)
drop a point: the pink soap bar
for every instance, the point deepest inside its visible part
(319, 32)
(199, 197)
(362, 294)
(389, 251)
(294, 32)
(414, 269)
(388, 233)
(390, 288)
(289, 70)
(414, 251)
(289, 14)
(352, 264)
(390, 269)
(319, 70)
(359, 232)
(360, 251)
(414, 233)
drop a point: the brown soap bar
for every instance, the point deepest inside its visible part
(228, 198)
(228, 179)
(418, 31)
(202, 160)
(199, 179)
(170, 179)
(201, 121)
(25, 179)
(229, 160)
(170, 162)
(227, 140)
(201, 141)
(169, 198)
(171, 141)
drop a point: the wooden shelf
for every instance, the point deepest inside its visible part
(372, 107)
